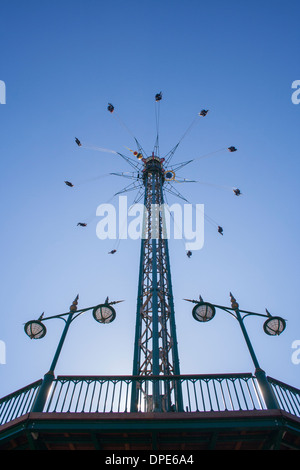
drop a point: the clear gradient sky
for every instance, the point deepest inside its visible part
(62, 62)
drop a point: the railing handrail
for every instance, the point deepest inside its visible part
(156, 377)
(21, 390)
(284, 385)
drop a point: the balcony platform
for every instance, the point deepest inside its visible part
(221, 412)
(224, 430)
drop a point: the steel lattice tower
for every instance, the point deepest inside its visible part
(155, 350)
(155, 347)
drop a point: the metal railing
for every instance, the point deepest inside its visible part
(288, 397)
(112, 394)
(18, 403)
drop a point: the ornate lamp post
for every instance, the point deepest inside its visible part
(35, 329)
(273, 326)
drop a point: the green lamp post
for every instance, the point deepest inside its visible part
(273, 326)
(35, 329)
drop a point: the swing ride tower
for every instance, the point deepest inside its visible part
(155, 349)
(155, 408)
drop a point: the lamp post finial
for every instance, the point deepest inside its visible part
(234, 303)
(73, 307)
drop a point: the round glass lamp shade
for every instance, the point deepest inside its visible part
(203, 312)
(274, 326)
(104, 313)
(35, 329)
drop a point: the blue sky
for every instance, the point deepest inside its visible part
(62, 62)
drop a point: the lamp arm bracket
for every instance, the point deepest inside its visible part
(227, 309)
(247, 314)
(61, 315)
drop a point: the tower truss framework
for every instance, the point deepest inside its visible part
(156, 349)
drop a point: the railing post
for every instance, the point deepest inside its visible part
(43, 392)
(266, 389)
